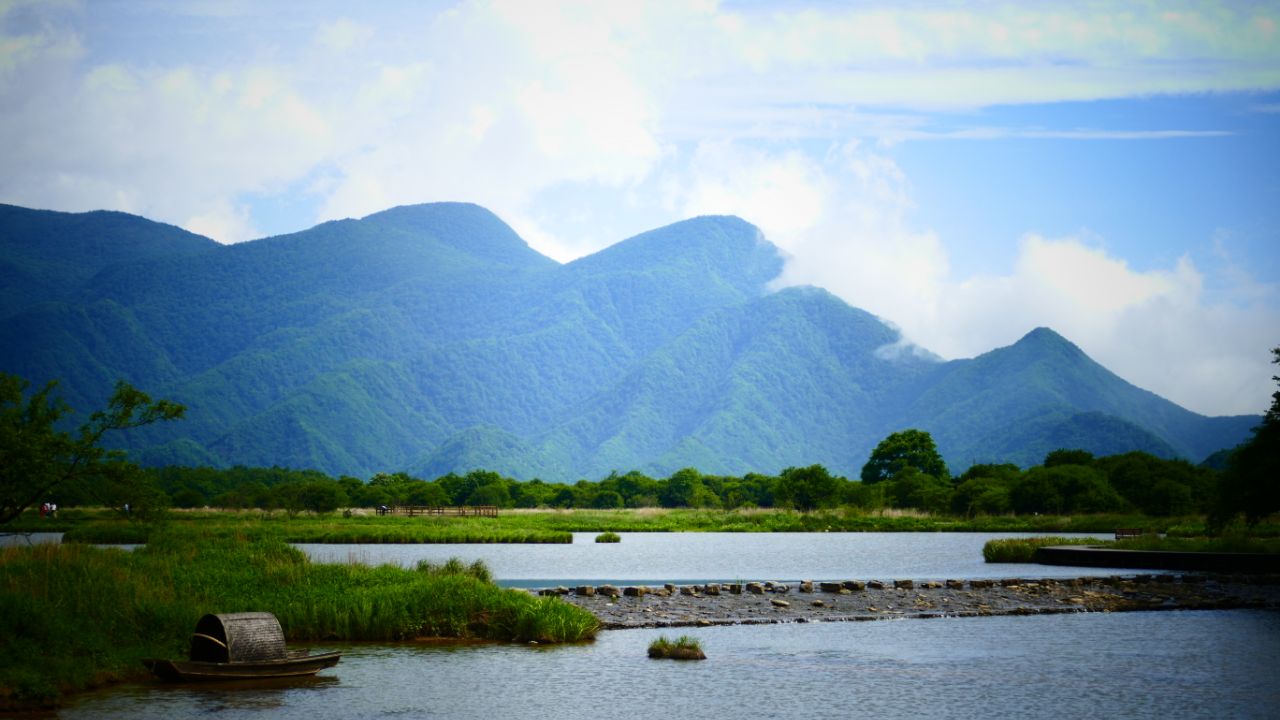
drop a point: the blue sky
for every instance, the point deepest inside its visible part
(967, 171)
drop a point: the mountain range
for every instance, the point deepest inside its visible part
(432, 338)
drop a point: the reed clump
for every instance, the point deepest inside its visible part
(608, 537)
(1023, 550)
(1225, 544)
(682, 648)
(75, 616)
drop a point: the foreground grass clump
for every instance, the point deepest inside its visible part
(1023, 550)
(682, 648)
(608, 537)
(75, 616)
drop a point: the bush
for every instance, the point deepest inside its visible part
(608, 537)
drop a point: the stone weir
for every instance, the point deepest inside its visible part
(640, 606)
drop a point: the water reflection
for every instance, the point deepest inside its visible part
(35, 538)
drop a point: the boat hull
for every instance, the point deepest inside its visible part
(189, 671)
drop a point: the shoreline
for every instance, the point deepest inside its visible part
(758, 603)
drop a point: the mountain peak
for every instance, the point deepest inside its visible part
(466, 227)
(1044, 338)
(726, 246)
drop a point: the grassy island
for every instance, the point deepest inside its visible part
(682, 648)
(60, 637)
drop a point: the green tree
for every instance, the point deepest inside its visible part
(491, 493)
(686, 489)
(1063, 456)
(1251, 482)
(36, 457)
(807, 488)
(901, 450)
(322, 496)
(1064, 489)
(911, 488)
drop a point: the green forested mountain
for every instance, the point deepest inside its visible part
(432, 338)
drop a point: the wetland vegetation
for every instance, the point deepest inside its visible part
(60, 638)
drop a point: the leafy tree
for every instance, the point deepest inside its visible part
(1063, 456)
(911, 488)
(807, 488)
(607, 500)
(188, 498)
(36, 457)
(686, 489)
(1158, 486)
(1064, 489)
(421, 492)
(984, 494)
(901, 450)
(491, 493)
(322, 496)
(532, 494)
(1251, 482)
(638, 490)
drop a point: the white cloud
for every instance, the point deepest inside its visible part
(343, 35)
(1159, 329)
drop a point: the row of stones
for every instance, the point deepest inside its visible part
(851, 586)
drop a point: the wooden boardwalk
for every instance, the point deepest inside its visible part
(441, 510)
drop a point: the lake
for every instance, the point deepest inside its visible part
(1190, 664)
(720, 557)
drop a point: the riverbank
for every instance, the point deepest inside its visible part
(641, 606)
(554, 526)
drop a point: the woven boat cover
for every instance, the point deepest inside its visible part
(247, 636)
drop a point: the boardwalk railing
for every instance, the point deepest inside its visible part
(441, 510)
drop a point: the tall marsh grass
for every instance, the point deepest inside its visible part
(330, 530)
(1023, 550)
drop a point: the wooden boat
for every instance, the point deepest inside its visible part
(240, 646)
(300, 665)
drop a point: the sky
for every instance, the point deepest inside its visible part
(965, 171)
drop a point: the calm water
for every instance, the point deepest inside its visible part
(701, 557)
(1222, 664)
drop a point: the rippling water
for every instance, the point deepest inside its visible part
(1192, 664)
(702, 557)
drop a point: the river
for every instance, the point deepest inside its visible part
(1187, 664)
(1191, 664)
(719, 557)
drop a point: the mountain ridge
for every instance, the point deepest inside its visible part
(432, 337)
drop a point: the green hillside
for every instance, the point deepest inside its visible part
(433, 338)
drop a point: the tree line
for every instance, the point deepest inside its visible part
(41, 462)
(1069, 482)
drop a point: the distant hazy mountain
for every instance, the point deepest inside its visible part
(433, 338)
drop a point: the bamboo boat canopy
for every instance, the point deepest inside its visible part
(238, 637)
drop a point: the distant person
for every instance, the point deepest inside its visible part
(44, 510)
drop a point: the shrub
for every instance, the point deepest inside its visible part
(608, 537)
